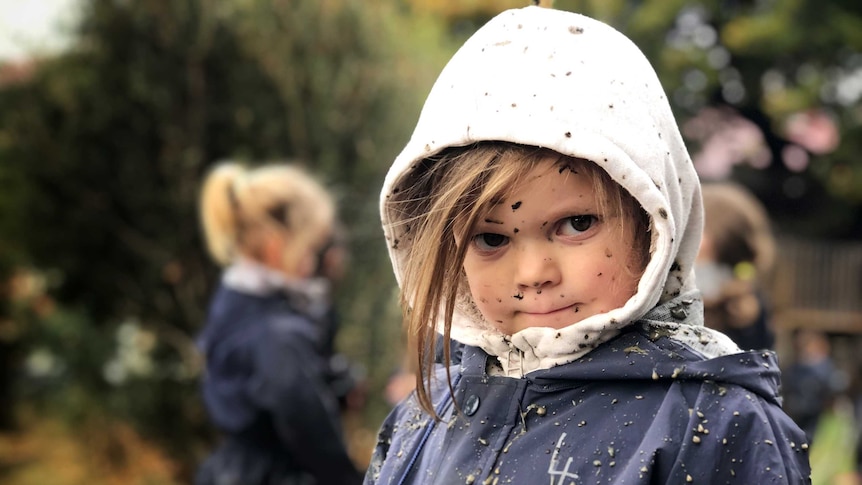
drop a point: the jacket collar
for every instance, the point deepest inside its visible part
(679, 319)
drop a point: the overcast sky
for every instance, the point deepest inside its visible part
(34, 26)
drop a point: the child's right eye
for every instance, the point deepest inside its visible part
(488, 241)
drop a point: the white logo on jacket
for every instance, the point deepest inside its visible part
(558, 477)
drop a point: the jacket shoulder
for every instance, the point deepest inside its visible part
(736, 434)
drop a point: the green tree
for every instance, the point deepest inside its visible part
(107, 143)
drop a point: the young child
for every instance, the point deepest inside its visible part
(736, 256)
(265, 385)
(546, 215)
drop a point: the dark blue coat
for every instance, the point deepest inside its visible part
(265, 389)
(641, 408)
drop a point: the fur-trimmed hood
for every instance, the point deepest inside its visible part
(563, 81)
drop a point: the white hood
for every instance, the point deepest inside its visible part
(555, 79)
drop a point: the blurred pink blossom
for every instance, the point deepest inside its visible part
(725, 139)
(814, 130)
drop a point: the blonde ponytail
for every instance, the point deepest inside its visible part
(219, 211)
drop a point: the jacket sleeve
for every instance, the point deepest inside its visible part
(290, 382)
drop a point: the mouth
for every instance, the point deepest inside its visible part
(559, 311)
(558, 317)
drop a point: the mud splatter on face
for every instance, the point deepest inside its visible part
(516, 205)
(519, 296)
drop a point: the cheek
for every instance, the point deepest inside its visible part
(612, 279)
(623, 285)
(489, 305)
(485, 294)
(474, 287)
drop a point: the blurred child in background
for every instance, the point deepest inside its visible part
(816, 395)
(736, 256)
(266, 383)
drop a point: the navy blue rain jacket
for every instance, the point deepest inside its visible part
(640, 409)
(265, 388)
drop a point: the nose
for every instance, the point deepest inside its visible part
(536, 268)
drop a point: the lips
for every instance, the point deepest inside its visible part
(569, 308)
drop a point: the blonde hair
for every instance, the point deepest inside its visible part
(435, 208)
(239, 206)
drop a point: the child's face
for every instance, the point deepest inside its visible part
(292, 256)
(546, 257)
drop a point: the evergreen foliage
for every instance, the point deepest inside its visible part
(103, 150)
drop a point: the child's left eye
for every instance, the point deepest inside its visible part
(576, 225)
